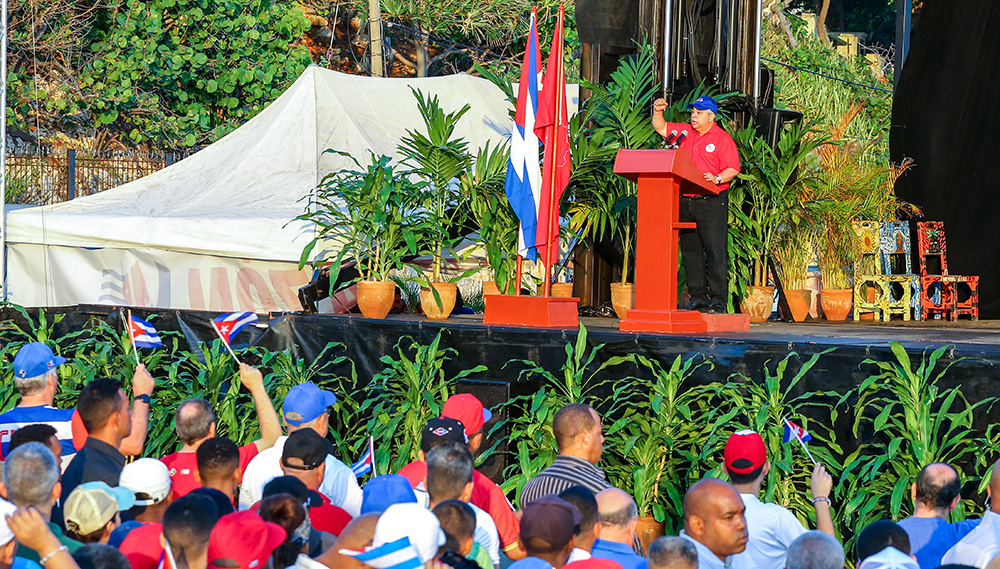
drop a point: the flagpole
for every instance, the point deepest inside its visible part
(226, 344)
(798, 437)
(371, 451)
(554, 132)
(131, 337)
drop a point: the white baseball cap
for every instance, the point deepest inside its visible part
(414, 521)
(148, 476)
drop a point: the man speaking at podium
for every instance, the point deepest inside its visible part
(703, 250)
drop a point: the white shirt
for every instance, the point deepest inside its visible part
(771, 530)
(579, 555)
(978, 547)
(486, 534)
(709, 560)
(339, 483)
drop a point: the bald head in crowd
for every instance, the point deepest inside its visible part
(937, 490)
(713, 516)
(671, 552)
(577, 430)
(814, 550)
(618, 514)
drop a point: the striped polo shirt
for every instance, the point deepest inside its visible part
(566, 471)
(60, 419)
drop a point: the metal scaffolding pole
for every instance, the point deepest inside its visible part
(3, 151)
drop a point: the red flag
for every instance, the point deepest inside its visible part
(552, 125)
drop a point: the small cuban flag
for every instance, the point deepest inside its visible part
(228, 325)
(143, 333)
(795, 432)
(367, 461)
(399, 554)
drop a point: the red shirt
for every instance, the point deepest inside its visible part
(142, 546)
(327, 517)
(182, 466)
(711, 152)
(485, 494)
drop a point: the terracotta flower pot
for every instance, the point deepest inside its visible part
(798, 302)
(562, 290)
(836, 303)
(622, 298)
(375, 298)
(490, 287)
(447, 292)
(758, 303)
(648, 530)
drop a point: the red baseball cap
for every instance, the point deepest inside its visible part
(466, 409)
(243, 540)
(744, 452)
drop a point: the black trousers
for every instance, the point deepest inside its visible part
(704, 251)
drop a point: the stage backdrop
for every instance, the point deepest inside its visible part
(945, 116)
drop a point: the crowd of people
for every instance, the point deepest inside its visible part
(286, 501)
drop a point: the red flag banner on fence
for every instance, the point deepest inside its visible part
(552, 126)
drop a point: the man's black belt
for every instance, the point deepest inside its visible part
(698, 197)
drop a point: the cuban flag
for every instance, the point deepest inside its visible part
(228, 325)
(399, 554)
(795, 432)
(367, 460)
(524, 183)
(143, 333)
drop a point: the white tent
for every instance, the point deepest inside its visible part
(215, 231)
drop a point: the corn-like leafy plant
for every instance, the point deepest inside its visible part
(905, 421)
(409, 391)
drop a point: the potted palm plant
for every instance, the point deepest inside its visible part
(496, 222)
(364, 213)
(770, 195)
(439, 161)
(792, 254)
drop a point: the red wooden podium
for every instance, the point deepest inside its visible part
(662, 176)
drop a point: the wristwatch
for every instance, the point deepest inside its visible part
(144, 398)
(718, 179)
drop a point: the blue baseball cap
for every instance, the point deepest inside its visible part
(35, 359)
(383, 491)
(705, 104)
(305, 402)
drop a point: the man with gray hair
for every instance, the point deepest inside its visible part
(619, 517)
(36, 381)
(672, 552)
(814, 550)
(31, 479)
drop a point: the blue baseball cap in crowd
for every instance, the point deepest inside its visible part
(305, 402)
(35, 359)
(383, 491)
(705, 104)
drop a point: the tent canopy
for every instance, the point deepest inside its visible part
(238, 197)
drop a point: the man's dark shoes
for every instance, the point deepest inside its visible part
(695, 304)
(717, 308)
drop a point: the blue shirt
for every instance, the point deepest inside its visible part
(931, 538)
(22, 563)
(620, 553)
(530, 563)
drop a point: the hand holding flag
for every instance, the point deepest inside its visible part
(367, 461)
(141, 334)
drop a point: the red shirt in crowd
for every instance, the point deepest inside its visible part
(711, 152)
(182, 466)
(142, 546)
(327, 517)
(485, 494)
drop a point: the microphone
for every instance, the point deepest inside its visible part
(681, 137)
(671, 137)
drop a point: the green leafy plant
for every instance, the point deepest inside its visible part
(763, 405)
(486, 198)
(659, 442)
(905, 421)
(408, 392)
(369, 214)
